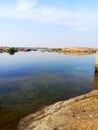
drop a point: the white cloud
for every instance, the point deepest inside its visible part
(25, 5)
(28, 9)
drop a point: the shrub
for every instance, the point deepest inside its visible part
(11, 50)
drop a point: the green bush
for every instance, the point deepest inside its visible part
(11, 50)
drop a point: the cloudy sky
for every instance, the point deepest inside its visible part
(49, 23)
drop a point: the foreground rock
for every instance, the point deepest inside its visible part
(80, 113)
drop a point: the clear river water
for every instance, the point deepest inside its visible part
(31, 80)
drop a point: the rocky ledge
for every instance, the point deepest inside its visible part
(80, 113)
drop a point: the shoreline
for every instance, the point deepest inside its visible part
(72, 51)
(66, 114)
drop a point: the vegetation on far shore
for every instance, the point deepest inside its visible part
(56, 49)
(11, 50)
(75, 50)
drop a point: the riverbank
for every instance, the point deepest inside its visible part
(17, 49)
(75, 50)
(79, 113)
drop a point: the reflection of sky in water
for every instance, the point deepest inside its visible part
(29, 81)
(24, 63)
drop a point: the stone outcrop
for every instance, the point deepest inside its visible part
(80, 113)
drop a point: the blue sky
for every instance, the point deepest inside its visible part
(49, 23)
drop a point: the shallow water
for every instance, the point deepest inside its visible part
(31, 80)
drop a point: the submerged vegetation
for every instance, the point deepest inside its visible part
(7, 117)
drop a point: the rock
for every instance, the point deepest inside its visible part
(74, 114)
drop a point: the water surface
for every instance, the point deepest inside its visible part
(31, 80)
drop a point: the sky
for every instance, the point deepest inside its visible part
(49, 23)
